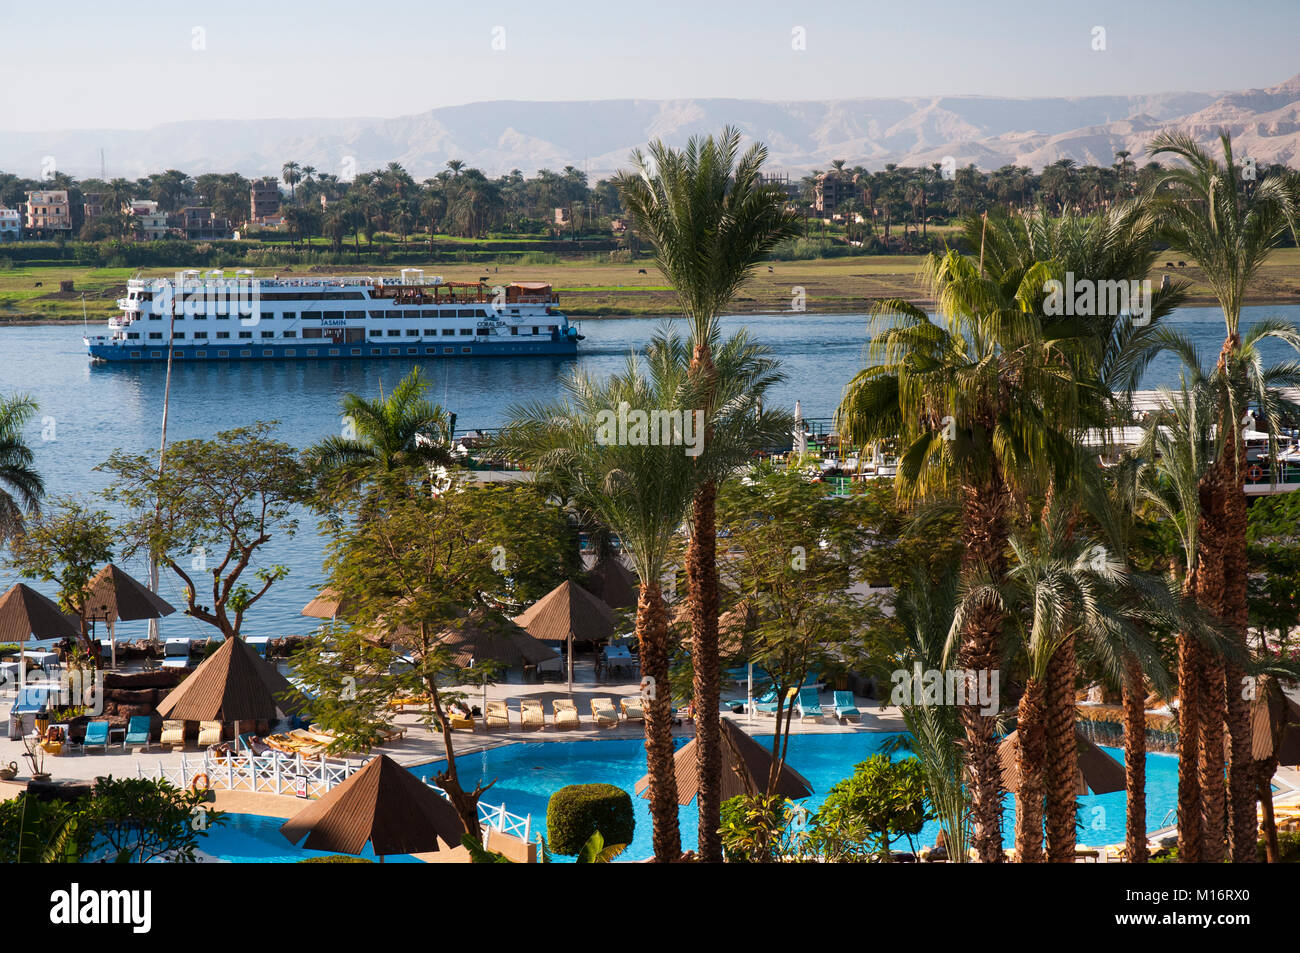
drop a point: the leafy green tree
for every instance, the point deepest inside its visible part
(217, 504)
(65, 545)
(760, 828)
(863, 815)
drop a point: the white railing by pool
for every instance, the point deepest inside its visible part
(296, 775)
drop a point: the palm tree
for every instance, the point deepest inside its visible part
(1212, 677)
(21, 487)
(292, 175)
(1179, 448)
(710, 219)
(399, 431)
(1112, 349)
(983, 403)
(641, 492)
(924, 609)
(1229, 226)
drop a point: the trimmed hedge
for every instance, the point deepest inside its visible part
(579, 810)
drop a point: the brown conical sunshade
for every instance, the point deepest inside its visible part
(568, 612)
(754, 759)
(232, 684)
(328, 604)
(481, 637)
(1262, 715)
(26, 614)
(384, 804)
(614, 584)
(1099, 773)
(734, 627)
(114, 594)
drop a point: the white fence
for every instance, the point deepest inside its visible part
(296, 775)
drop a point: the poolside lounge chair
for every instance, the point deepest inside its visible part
(633, 709)
(844, 707)
(137, 732)
(531, 714)
(96, 736)
(808, 704)
(460, 722)
(173, 733)
(565, 713)
(209, 733)
(603, 710)
(498, 716)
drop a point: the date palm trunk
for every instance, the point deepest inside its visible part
(1030, 727)
(652, 637)
(1135, 761)
(1191, 838)
(1214, 792)
(702, 594)
(1062, 755)
(984, 534)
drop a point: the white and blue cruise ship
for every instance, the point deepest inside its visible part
(215, 317)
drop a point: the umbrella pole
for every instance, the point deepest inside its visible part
(112, 644)
(570, 664)
(749, 694)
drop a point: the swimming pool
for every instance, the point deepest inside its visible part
(256, 839)
(527, 775)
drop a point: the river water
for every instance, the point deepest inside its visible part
(89, 411)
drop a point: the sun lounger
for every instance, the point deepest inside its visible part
(603, 710)
(531, 714)
(460, 722)
(96, 736)
(633, 709)
(137, 732)
(809, 706)
(565, 713)
(173, 733)
(844, 707)
(209, 733)
(498, 716)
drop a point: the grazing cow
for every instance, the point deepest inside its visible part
(39, 283)
(1169, 264)
(640, 271)
(769, 268)
(1182, 264)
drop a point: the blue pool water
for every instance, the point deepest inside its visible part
(255, 839)
(527, 774)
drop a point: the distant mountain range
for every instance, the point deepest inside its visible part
(597, 135)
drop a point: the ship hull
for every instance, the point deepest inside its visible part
(328, 351)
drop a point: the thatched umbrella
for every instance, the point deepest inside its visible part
(742, 757)
(24, 614)
(328, 604)
(114, 594)
(383, 804)
(233, 684)
(566, 614)
(1099, 773)
(614, 584)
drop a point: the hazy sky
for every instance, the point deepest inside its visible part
(78, 64)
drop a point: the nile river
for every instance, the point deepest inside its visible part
(95, 409)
